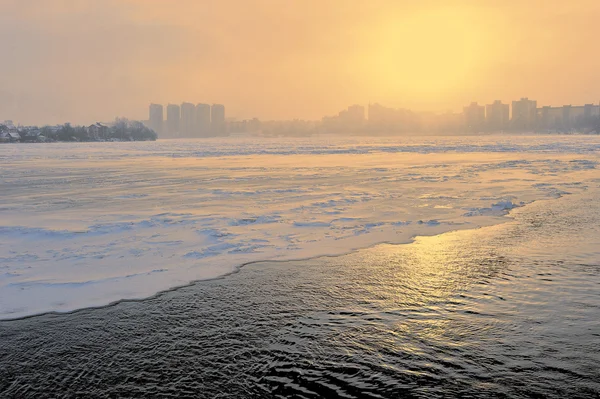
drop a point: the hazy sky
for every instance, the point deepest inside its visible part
(88, 60)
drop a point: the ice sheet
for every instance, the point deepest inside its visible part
(92, 223)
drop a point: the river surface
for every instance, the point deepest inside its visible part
(87, 224)
(511, 310)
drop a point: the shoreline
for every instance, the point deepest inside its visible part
(238, 268)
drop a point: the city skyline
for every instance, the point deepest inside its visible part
(189, 120)
(502, 111)
(519, 115)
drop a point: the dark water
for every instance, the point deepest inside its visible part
(506, 311)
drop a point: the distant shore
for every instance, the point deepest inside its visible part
(120, 130)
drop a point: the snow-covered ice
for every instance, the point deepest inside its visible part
(91, 223)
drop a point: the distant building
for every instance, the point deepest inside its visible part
(524, 114)
(380, 115)
(350, 120)
(591, 111)
(155, 120)
(173, 118)
(569, 113)
(188, 111)
(474, 117)
(355, 115)
(254, 125)
(202, 122)
(497, 116)
(291, 128)
(386, 119)
(243, 127)
(567, 117)
(549, 117)
(31, 135)
(8, 137)
(97, 131)
(573, 117)
(217, 119)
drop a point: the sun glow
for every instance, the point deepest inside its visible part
(427, 53)
(280, 60)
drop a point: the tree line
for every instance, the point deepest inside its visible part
(122, 129)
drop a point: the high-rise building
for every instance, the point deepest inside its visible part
(497, 116)
(349, 120)
(550, 118)
(567, 116)
(173, 117)
(217, 119)
(155, 119)
(202, 122)
(380, 115)
(397, 120)
(474, 116)
(589, 111)
(356, 115)
(187, 119)
(544, 117)
(524, 114)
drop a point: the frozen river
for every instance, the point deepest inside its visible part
(88, 224)
(506, 311)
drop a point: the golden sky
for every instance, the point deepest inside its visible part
(88, 60)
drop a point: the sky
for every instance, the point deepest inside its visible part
(83, 61)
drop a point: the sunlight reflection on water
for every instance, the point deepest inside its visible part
(494, 312)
